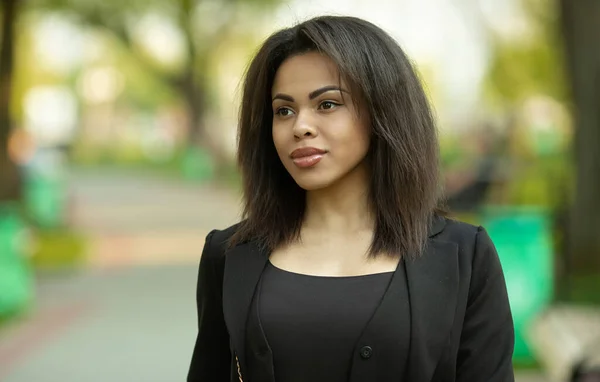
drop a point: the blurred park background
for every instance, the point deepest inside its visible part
(117, 150)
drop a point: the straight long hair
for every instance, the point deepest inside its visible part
(404, 189)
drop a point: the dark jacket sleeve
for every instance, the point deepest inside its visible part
(487, 339)
(211, 358)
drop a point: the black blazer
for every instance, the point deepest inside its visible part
(457, 322)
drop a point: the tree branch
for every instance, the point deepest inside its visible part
(118, 29)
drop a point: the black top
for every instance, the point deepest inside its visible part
(312, 323)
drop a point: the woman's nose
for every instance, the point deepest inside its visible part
(305, 126)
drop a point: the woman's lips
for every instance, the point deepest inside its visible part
(308, 161)
(307, 156)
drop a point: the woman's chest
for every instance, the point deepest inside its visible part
(336, 258)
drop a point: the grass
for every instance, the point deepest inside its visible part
(60, 248)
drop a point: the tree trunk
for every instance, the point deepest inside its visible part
(194, 91)
(580, 22)
(198, 135)
(9, 175)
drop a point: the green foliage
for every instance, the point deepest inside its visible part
(521, 70)
(543, 182)
(188, 15)
(59, 249)
(531, 65)
(203, 24)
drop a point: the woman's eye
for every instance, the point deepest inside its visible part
(328, 105)
(283, 112)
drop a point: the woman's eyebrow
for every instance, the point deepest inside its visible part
(312, 95)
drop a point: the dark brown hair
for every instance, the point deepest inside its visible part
(403, 156)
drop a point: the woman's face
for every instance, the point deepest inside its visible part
(317, 131)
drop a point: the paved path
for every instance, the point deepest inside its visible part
(122, 325)
(133, 219)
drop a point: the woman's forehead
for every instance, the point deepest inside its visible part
(305, 73)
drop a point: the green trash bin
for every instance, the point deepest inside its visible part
(523, 238)
(45, 197)
(16, 285)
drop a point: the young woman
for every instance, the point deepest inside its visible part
(343, 269)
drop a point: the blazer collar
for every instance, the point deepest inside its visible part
(437, 225)
(433, 282)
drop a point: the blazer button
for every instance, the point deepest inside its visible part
(366, 352)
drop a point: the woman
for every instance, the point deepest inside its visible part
(343, 270)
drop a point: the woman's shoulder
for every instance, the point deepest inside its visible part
(222, 236)
(465, 235)
(473, 242)
(217, 241)
(451, 229)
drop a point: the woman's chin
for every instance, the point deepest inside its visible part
(312, 183)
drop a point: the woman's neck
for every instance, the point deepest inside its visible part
(342, 208)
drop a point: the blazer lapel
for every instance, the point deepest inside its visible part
(433, 287)
(243, 267)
